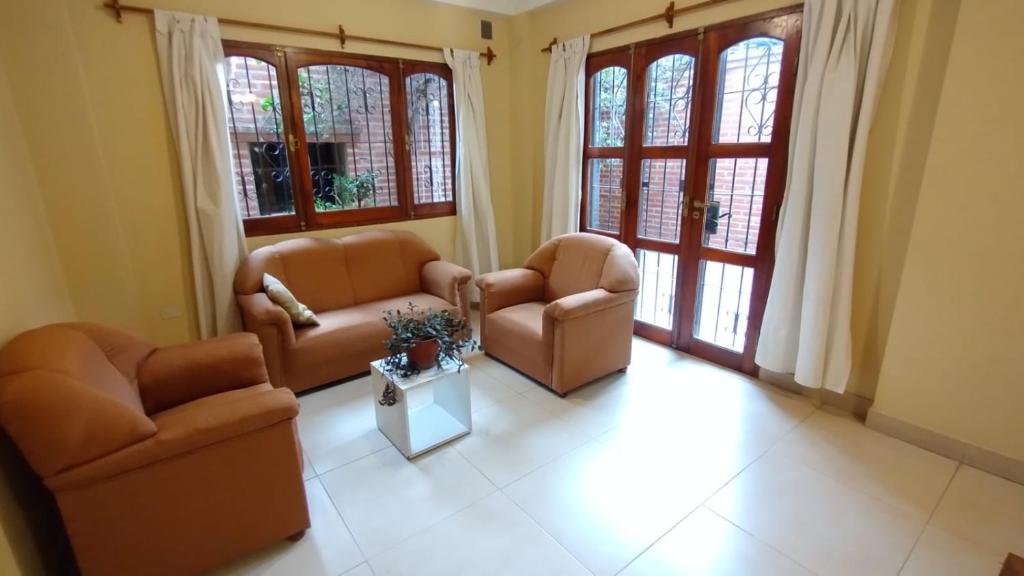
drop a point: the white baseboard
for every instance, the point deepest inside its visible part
(981, 458)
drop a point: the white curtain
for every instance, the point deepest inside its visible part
(563, 138)
(476, 244)
(844, 53)
(191, 68)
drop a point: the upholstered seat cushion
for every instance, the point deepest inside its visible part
(356, 333)
(518, 332)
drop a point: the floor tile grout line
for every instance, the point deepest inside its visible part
(345, 524)
(931, 515)
(719, 489)
(760, 541)
(544, 530)
(447, 516)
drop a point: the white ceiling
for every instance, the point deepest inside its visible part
(500, 6)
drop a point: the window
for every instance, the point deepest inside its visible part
(323, 140)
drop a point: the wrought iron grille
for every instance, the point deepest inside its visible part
(348, 107)
(662, 188)
(669, 93)
(255, 125)
(608, 108)
(723, 304)
(429, 138)
(655, 303)
(748, 86)
(605, 194)
(737, 185)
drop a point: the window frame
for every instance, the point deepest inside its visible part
(287, 61)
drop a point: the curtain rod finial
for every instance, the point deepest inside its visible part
(490, 55)
(114, 6)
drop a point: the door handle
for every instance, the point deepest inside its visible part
(699, 205)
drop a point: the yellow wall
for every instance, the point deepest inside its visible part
(99, 138)
(952, 361)
(33, 293)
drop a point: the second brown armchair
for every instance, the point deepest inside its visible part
(566, 317)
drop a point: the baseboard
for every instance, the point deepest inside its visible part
(981, 458)
(851, 403)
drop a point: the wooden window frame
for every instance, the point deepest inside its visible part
(287, 61)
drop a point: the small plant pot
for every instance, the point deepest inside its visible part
(423, 354)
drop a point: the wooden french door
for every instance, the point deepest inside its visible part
(685, 161)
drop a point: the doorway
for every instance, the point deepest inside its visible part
(685, 158)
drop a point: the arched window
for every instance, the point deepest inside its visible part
(605, 148)
(429, 112)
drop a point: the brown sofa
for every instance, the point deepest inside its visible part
(348, 283)
(566, 317)
(162, 461)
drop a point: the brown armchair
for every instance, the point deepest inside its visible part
(566, 317)
(162, 461)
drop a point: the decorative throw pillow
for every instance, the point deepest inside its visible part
(283, 297)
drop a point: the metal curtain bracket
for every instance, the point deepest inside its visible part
(341, 36)
(670, 13)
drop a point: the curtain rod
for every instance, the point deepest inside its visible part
(668, 16)
(341, 36)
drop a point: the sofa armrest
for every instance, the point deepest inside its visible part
(446, 280)
(508, 288)
(586, 303)
(190, 427)
(259, 311)
(178, 374)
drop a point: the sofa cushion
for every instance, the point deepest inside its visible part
(515, 335)
(385, 264)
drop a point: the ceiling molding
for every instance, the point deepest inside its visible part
(508, 7)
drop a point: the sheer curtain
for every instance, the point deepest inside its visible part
(844, 53)
(191, 68)
(563, 138)
(476, 245)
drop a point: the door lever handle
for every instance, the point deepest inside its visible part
(698, 204)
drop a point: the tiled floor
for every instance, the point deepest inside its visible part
(675, 467)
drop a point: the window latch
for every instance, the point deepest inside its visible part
(293, 143)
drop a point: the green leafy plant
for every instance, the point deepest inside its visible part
(347, 192)
(416, 325)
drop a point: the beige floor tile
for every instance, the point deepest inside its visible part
(704, 544)
(822, 524)
(939, 553)
(865, 460)
(361, 570)
(491, 537)
(516, 437)
(486, 391)
(983, 509)
(514, 380)
(337, 425)
(327, 548)
(606, 504)
(308, 471)
(385, 498)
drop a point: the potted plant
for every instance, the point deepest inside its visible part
(421, 339)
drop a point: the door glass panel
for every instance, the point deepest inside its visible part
(608, 112)
(748, 86)
(732, 219)
(662, 185)
(655, 304)
(723, 304)
(346, 114)
(256, 128)
(605, 194)
(429, 138)
(669, 92)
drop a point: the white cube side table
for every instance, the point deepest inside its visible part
(431, 408)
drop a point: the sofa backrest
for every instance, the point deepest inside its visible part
(575, 263)
(69, 394)
(328, 274)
